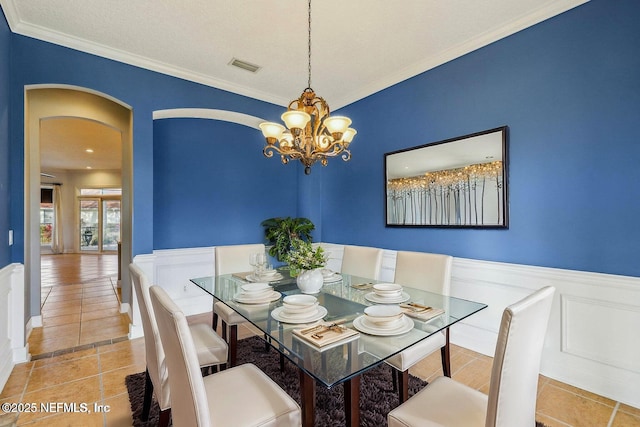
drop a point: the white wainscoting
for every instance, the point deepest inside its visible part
(592, 340)
(12, 326)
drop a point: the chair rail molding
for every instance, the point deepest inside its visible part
(587, 343)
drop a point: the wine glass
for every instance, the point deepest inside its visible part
(261, 260)
(253, 261)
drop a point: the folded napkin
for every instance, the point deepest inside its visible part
(421, 314)
(324, 334)
(362, 286)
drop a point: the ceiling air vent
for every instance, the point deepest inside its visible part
(244, 65)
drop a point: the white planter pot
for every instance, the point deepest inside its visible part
(310, 281)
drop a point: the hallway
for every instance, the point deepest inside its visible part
(80, 304)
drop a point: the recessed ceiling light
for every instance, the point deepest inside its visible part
(88, 167)
(89, 150)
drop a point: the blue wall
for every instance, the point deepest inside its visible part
(569, 90)
(213, 186)
(5, 38)
(37, 62)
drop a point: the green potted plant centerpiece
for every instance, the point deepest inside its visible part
(281, 231)
(305, 264)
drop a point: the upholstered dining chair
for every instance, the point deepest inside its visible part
(362, 261)
(514, 377)
(239, 396)
(231, 259)
(432, 273)
(211, 350)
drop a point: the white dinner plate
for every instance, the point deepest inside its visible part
(335, 277)
(373, 297)
(270, 278)
(360, 324)
(245, 298)
(277, 314)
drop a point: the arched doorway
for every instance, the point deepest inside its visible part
(43, 102)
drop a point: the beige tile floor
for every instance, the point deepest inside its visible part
(80, 303)
(95, 375)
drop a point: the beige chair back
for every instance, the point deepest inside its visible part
(362, 261)
(153, 345)
(189, 405)
(516, 363)
(421, 270)
(235, 258)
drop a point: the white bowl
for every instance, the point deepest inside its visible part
(383, 315)
(327, 273)
(268, 273)
(387, 290)
(294, 308)
(307, 312)
(256, 287)
(300, 300)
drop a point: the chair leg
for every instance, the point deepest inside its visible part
(224, 331)
(165, 418)
(267, 343)
(403, 386)
(233, 345)
(148, 394)
(445, 352)
(394, 378)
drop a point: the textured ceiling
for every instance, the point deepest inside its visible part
(358, 46)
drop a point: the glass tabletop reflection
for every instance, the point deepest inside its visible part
(344, 301)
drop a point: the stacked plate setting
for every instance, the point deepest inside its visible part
(329, 276)
(387, 293)
(384, 320)
(383, 316)
(265, 276)
(299, 309)
(256, 293)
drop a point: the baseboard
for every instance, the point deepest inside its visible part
(135, 331)
(6, 365)
(36, 321)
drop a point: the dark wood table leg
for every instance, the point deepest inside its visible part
(352, 401)
(308, 398)
(446, 356)
(403, 385)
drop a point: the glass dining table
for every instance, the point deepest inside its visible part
(342, 362)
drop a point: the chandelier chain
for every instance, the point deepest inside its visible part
(309, 46)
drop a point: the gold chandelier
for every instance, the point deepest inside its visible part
(311, 134)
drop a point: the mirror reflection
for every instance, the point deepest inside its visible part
(459, 182)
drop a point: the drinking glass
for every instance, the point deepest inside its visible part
(253, 261)
(261, 260)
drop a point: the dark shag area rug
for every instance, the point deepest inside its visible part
(377, 397)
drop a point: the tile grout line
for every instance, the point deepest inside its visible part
(613, 414)
(102, 402)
